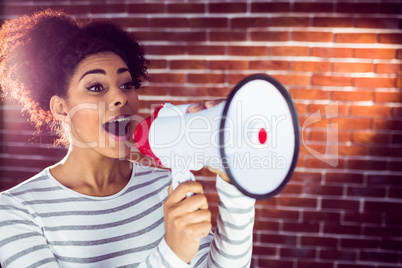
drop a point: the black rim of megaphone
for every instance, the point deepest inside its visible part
(295, 119)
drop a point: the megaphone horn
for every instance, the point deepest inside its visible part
(253, 137)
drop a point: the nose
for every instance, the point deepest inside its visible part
(119, 99)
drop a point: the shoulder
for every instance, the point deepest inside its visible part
(37, 181)
(26, 190)
(13, 202)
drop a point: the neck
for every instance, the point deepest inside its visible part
(86, 172)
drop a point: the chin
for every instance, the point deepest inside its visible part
(120, 150)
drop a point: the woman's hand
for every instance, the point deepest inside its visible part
(187, 219)
(202, 105)
(221, 174)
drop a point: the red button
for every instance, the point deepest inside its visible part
(262, 136)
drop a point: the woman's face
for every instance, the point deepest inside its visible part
(102, 104)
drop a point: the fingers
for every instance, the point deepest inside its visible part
(187, 219)
(181, 191)
(197, 224)
(196, 107)
(196, 217)
(212, 103)
(194, 203)
(190, 215)
(178, 203)
(202, 105)
(222, 174)
(187, 206)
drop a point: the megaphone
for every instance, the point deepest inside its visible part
(253, 137)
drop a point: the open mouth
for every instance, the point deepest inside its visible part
(119, 128)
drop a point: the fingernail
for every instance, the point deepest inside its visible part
(194, 107)
(209, 103)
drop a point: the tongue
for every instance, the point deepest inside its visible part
(117, 129)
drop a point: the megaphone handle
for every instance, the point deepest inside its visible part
(179, 176)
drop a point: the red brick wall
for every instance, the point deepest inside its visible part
(341, 60)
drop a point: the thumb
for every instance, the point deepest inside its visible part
(221, 174)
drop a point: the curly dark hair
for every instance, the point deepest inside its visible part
(39, 54)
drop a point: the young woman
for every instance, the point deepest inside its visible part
(94, 208)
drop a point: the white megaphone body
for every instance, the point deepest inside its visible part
(253, 137)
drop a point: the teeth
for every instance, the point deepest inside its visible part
(121, 119)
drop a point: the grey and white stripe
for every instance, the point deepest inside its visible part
(44, 223)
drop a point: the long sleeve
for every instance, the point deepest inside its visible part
(22, 243)
(232, 245)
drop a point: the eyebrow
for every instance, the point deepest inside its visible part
(100, 71)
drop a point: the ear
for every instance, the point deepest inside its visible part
(58, 107)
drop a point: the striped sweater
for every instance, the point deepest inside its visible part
(43, 223)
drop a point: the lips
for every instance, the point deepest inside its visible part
(119, 127)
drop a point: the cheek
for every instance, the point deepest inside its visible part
(85, 112)
(86, 121)
(133, 100)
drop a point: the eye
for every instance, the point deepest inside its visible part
(127, 86)
(96, 88)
